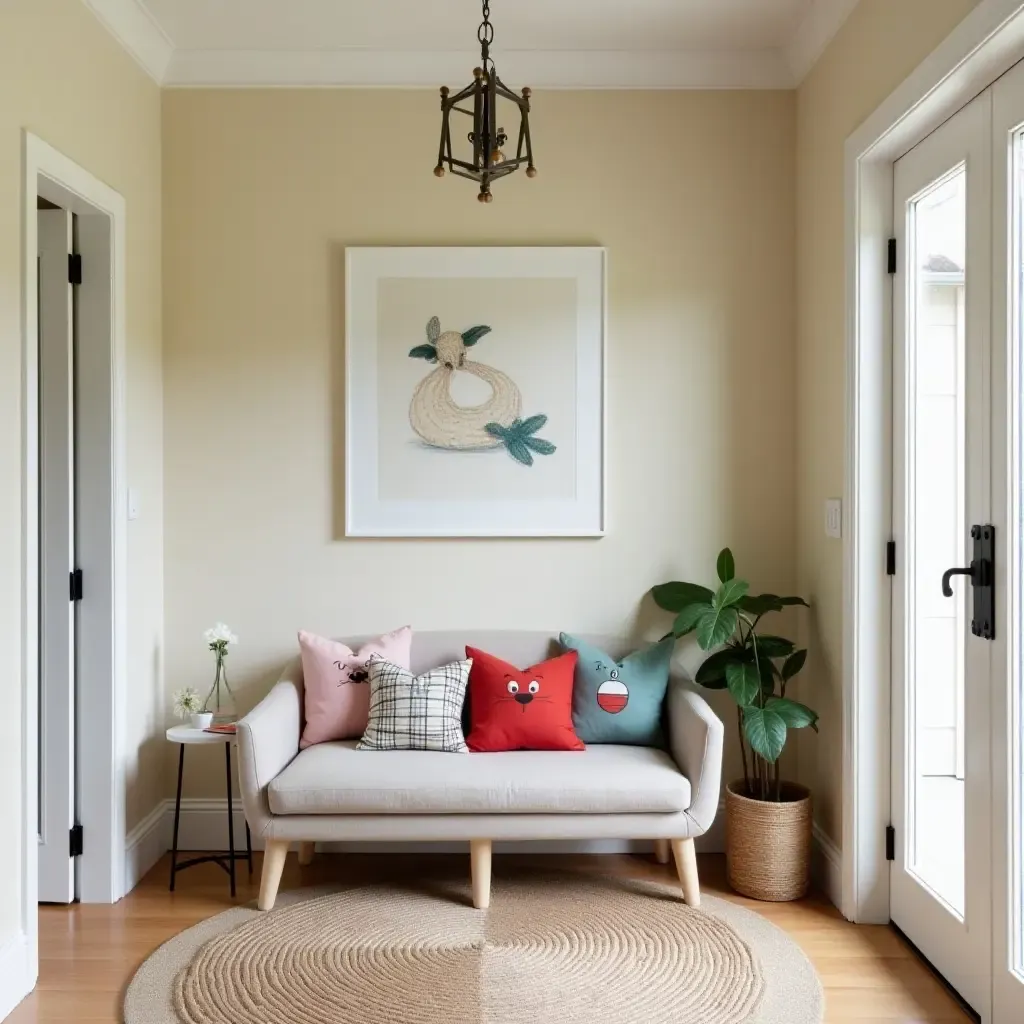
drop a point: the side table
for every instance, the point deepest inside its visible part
(185, 735)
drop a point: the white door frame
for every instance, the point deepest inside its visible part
(982, 47)
(103, 650)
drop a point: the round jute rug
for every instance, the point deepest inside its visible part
(553, 949)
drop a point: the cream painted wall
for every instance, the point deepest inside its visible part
(693, 195)
(877, 48)
(63, 77)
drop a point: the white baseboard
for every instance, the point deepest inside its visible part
(827, 865)
(203, 826)
(146, 844)
(17, 976)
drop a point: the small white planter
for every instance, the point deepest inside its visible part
(202, 720)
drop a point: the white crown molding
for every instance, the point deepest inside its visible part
(541, 69)
(131, 24)
(818, 27)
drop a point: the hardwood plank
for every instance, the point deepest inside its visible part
(88, 954)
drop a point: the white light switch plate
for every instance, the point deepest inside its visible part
(834, 518)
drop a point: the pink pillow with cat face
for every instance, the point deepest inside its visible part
(337, 683)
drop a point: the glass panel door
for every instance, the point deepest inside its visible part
(940, 893)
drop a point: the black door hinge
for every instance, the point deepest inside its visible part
(890, 558)
(892, 255)
(75, 844)
(890, 843)
(74, 268)
(76, 585)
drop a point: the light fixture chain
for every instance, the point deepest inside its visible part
(485, 34)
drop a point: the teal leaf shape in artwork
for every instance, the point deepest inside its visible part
(427, 352)
(474, 334)
(519, 441)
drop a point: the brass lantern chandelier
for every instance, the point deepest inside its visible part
(487, 136)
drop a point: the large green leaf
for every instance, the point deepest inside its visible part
(674, 597)
(774, 646)
(761, 604)
(474, 334)
(716, 626)
(687, 619)
(794, 664)
(794, 714)
(427, 352)
(713, 668)
(729, 593)
(765, 730)
(743, 681)
(794, 601)
(726, 565)
(769, 673)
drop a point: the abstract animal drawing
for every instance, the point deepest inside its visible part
(442, 423)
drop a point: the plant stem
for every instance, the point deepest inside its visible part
(743, 749)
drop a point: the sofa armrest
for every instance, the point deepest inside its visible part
(696, 736)
(268, 740)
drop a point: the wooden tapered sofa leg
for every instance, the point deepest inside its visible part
(480, 869)
(274, 856)
(662, 851)
(306, 852)
(686, 865)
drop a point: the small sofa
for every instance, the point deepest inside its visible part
(333, 792)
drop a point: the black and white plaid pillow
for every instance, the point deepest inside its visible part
(410, 712)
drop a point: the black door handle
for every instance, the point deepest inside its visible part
(982, 572)
(947, 590)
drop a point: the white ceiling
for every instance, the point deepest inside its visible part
(544, 43)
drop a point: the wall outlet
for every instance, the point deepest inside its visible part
(834, 518)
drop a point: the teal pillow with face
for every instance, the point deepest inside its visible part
(619, 701)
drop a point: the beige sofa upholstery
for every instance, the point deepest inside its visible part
(332, 792)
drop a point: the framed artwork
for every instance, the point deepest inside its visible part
(474, 392)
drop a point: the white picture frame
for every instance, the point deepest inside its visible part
(419, 460)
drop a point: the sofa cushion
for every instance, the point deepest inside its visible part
(521, 710)
(620, 701)
(337, 691)
(335, 778)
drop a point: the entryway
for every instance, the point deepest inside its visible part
(957, 881)
(76, 539)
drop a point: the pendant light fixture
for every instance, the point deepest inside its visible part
(480, 102)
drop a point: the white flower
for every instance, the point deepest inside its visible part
(220, 634)
(186, 702)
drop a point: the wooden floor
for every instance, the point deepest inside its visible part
(88, 954)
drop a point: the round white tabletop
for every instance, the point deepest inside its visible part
(186, 734)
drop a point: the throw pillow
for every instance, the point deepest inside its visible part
(511, 709)
(620, 701)
(410, 712)
(337, 692)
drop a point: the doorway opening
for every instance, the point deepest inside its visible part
(74, 539)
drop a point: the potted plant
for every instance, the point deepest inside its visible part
(188, 704)
(768, 820)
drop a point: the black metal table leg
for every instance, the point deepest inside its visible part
(231, 821)
(177, 814)
(248, 845)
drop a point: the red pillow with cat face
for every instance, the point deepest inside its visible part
(511, 709)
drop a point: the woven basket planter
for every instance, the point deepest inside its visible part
(768, 844)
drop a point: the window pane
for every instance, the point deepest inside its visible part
(937, 537)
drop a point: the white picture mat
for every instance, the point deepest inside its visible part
(368, 515)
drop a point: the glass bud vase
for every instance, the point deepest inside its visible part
(220, 700)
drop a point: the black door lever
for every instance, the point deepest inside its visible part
(982, 572)
(947, 590)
